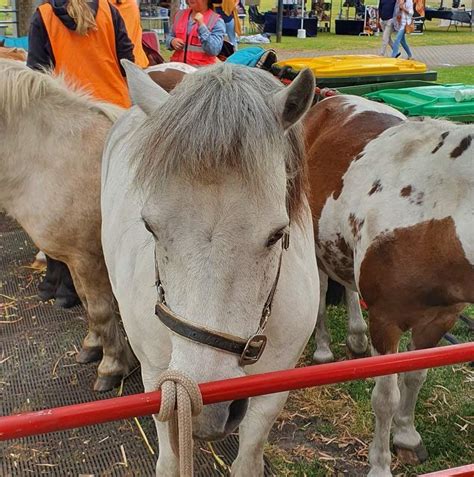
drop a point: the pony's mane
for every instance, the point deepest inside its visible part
(21, 87)
(219, 120)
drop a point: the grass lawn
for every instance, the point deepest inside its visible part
(456, 74)
(329, 41)
(326, 431)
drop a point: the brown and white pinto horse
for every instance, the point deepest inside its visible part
(392, 203)
(12, 53)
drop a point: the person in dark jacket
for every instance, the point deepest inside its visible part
(386, 9)
(84, 41)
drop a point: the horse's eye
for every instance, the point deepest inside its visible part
(147, 226)
(275, 237)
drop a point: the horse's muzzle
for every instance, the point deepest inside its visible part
(219, 420)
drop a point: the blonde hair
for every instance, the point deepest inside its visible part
(82, 14)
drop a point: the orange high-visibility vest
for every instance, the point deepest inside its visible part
(90, 60)
(193, 53)
(131, 16)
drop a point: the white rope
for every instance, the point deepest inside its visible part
(180, 400)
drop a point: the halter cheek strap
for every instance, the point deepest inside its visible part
(250, 350)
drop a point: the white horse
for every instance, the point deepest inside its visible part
(204, 185)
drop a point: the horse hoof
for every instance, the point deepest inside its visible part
(107, 383)
(351, 354)
(67, 302)
(46, 290)
(46, 295)
(322, 358)
(89, 355)
(414, 456)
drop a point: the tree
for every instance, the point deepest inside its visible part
(26, 9)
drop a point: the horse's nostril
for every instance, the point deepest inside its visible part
(237, 410)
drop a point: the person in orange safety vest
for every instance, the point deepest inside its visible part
(131, 16)
(197, 35)
(85, 42)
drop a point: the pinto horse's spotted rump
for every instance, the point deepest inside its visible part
(392, 202)
(403, 177)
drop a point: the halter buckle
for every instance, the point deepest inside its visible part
(253, 350)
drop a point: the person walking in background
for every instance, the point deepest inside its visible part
(84, 41)
(130, 13)
(227, 9)
(197, 35)
(402, 19)
(386, 9)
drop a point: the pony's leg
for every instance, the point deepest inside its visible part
(385, 397)
(118, 359)
(66, 294)
(79, 288)
(357, 342)
(253, 434)
(167, 464)
(323, 353)
(91, 350)
(48, 286)
(407, 441)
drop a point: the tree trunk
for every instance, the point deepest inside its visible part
(26, 9)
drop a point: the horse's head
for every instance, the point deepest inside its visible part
(220, 166)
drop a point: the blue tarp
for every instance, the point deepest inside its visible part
(10, 42)
(247, 56)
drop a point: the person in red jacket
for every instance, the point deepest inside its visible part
(197, 35)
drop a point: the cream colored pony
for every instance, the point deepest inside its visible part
(51, 141)
(201, 186)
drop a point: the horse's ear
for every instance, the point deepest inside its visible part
(144, 92)
(296, 99)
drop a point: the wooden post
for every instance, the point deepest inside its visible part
(279, 22)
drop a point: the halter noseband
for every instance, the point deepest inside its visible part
(250, 350)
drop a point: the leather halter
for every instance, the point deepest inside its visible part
(250, 350)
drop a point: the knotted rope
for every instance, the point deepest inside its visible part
(180, 400)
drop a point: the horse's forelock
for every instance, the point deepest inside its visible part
(220, 120)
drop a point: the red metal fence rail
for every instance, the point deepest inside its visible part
(464, 471)
(97, 412)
